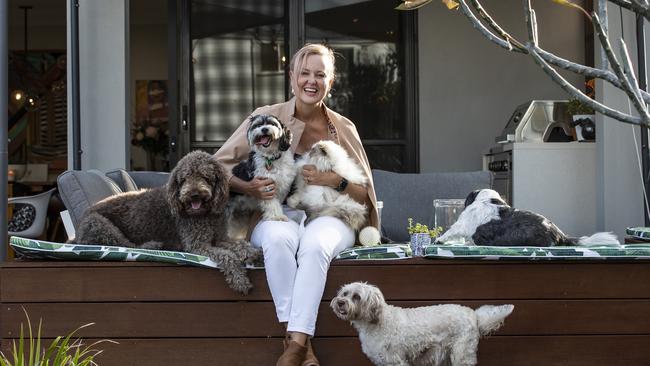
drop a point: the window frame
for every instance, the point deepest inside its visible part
(180, 72)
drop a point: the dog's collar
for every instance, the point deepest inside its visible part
(268, 161)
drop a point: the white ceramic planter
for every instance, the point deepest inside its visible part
(418, 242)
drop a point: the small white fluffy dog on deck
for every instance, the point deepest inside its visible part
(270, 157)
(429, 335)
(319, 200)
(488, 220)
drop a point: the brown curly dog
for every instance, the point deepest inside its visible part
(185, 215)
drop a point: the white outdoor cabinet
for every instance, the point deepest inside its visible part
(557, 180)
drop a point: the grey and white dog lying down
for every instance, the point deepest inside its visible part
(429, 335)
(488, 220)
(185, 215)
(319, 200)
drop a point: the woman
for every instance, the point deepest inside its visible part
(297, 258)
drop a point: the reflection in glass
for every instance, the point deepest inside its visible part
(368, 87)
(386, 157)
(237, 63)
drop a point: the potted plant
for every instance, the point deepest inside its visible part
(421, 236)
(62, 351)
(583, 119)
(582, 115)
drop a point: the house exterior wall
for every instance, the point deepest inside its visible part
(469, 87)
(619, 201)
(103, 75)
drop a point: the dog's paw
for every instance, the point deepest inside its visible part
(254, 256)
(241, 284)
(293, 201)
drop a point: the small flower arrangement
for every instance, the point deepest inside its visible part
(421, 237)
(423, 229)
(151, 137)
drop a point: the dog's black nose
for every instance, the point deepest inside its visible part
(265, 130)
(340, 303)
(195, 196)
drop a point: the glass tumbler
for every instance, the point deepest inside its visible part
(446, 212)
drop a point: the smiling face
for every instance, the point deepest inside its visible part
(312, 79)
(267, 134)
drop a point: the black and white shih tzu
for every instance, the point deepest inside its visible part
(270, 157)
(488, 220)
(319, 200)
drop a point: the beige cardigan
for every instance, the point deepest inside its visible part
(236, 148)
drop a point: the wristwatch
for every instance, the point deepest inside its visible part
(342, 185)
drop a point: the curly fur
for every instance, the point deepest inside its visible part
(428, 335)
(488, 220)
(319, 200)
(185, 215)
(270, 157)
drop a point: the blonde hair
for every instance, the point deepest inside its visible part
(298, 59)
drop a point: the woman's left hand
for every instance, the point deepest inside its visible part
(314, 177)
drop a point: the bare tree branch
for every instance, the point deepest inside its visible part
(496, 27)
(551, 58)
(571, 90)
(481, 28)
(639, 104)
(634, 6)
(586, 71)
(620, 77)
(531, 22)
(626, 86)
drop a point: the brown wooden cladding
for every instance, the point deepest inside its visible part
(399, 280)
(257, 319)
(346, 351)
(566, 312)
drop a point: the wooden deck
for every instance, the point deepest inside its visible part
(566, 312)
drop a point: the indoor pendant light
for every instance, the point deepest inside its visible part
(31, 100)
(17, 97)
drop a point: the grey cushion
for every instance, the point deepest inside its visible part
(144, 179)
(82, 189)
(123, 179)
(412, 195)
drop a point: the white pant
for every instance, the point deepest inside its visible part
(296, 259)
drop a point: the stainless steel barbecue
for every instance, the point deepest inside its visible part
(534, 120)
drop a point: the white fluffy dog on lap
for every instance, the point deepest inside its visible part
(319, 200)
(429, 335)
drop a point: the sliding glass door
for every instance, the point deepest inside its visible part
(234, 57)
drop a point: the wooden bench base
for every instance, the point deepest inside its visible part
(566, 313)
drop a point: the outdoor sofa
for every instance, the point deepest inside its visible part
(567, 312)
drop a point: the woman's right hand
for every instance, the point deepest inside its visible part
(261, 188)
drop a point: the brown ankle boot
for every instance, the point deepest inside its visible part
(294, 354)
(310, 357)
